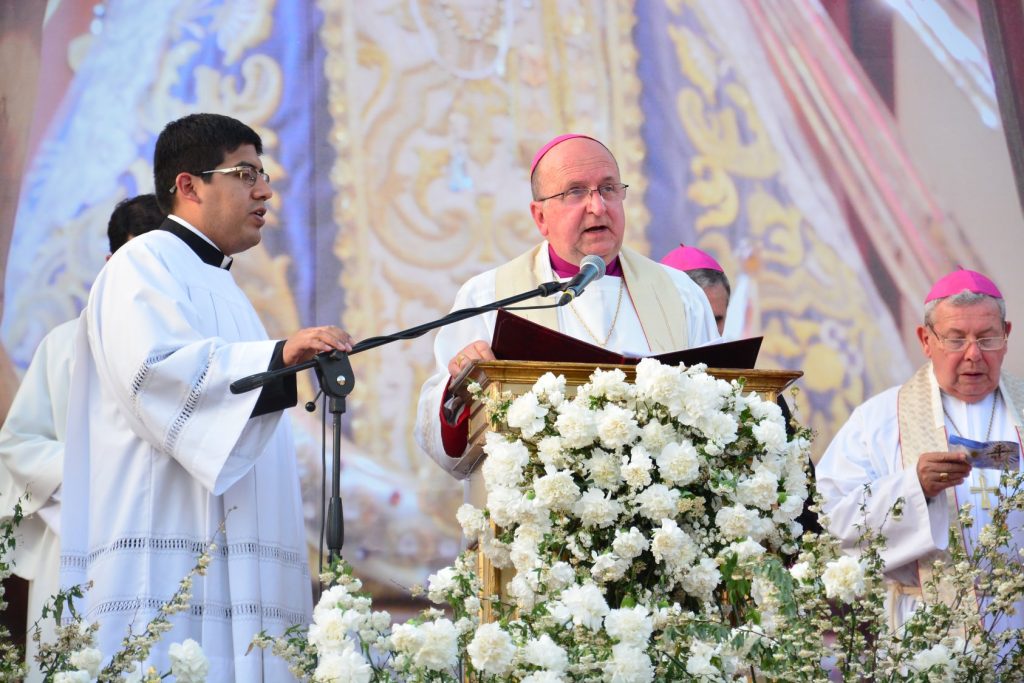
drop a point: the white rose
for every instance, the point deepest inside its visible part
(521, 590)
(438, 649)
(743, 550)
(506, 505)
(577, 424)
(761, 409)
(560, 575)
(679, 463)
(760, 490)
(654, 436)
(673, 546)
(801, 571)
(526, 414)
(551, 453)
(701, 579)
(87, 659)
(406, 638)
(188, 663)
(636, 469)
(545, 653)
(79, 676)
(632, 625)
(585, 604)
(617, 426)
(628, 664)
(550, 386)
(596, 509)
(699, 662)
(472, 520)
(736, 521)
(609, 567)
(658, 383)
(844, 579)
(629, 544)
(719, 428)
(770, 434)
(603, 468)
(491, 649)
(658, 502)
(505, 460)
(348, 666)
(441, 583)
(556, 491)
(330, 630)
(938, 662)
(702, 397)
(610, 384)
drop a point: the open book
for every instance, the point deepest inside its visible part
(517, 338)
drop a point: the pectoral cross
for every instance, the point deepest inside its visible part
(984, 490)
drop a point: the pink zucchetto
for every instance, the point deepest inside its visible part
(552, 143)
(690, 258)
(962, 279)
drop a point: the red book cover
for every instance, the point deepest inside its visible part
(517, 338)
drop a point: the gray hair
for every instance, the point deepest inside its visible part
(707, 278)
(963, 298)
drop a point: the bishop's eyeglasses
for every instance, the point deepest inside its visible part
(958, 344)
(248, 174)
(575, 196)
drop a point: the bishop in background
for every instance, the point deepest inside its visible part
(898, 443)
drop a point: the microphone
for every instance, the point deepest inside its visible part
(591, 268)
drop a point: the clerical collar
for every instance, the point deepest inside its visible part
(563, 268)
(206, 250)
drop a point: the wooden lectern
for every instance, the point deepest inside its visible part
(517, 377)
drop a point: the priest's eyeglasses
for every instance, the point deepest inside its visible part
(576, 196)
(248, 174)
(958, 344)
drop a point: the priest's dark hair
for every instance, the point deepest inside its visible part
(132, 217)
(709, 277)
(193, 144)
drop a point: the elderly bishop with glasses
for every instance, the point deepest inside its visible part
(640, 306)
(939, 441)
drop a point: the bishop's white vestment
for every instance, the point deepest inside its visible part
(31, 462)
(589, 316)
(160, 454)
(867, 451)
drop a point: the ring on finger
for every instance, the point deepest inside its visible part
(943, 476)
(460, 360)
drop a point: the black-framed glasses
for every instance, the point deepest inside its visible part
(958, 344)
(575, 196)
(248, 174)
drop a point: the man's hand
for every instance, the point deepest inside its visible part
(478, 350)
(939, 471)
(306, 343)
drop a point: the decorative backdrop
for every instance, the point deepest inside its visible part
(398, 135)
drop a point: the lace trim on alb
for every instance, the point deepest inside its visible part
(140, 378)
(191, 401)
(202, 611)
(188, 546)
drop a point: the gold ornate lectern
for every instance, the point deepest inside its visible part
(517, 377)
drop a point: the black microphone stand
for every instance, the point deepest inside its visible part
(334, 371)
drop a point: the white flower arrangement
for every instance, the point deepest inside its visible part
(650, 526)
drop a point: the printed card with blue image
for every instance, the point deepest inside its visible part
(994, 455)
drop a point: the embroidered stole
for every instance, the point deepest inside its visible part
(651, 290)
(923, 430)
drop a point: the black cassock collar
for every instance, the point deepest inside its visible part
(207, 253)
